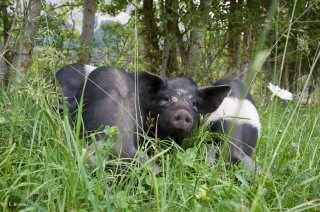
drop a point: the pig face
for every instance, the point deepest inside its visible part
(175, 103)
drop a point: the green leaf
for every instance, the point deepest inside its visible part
(3, 120)
(187, 158)
(120, 200)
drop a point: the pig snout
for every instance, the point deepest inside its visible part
(182, 120)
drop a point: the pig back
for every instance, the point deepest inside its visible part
(110, 100)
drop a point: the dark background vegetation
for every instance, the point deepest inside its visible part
(202, 39)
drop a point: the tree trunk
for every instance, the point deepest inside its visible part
(246, 57)
(163, 70)
(199, 24)
(5, 20)
(150, 47)
(233, 44)
(89, 11)
(251, 11)
(299, 80)
(3, 67)
(23, 49)
(287, 80)
(182, 51)
(170, 62)
(6, 28)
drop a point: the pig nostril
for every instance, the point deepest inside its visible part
(177, 118)
(188, 120)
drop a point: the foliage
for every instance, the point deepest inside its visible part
(234, 33)
(116, 45)
(113, 7)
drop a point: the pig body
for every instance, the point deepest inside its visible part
(174, 103)
(71, 78)
(239, 119)
(109, 99)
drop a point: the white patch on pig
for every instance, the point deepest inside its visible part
(88, 69)
(240, 111)
(180, 91)
(174, 99)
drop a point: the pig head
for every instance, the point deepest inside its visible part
(175, 103)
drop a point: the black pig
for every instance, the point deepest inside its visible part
(71, 78)
(177, 102)
(110, 99)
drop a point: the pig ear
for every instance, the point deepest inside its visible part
(211, 97)
(149, 84)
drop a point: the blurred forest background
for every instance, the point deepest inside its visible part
(203, 39)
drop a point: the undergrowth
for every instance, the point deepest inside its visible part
(43, 163)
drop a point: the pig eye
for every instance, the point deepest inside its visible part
(164, 101)
(194, 103)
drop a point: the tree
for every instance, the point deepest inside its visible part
(197, 36)
(5, 21)
(170, 27)
(181, 32)
(233, 44)
(3, 66)
(89, 11)
(150, 32)
(23, 49)
(179, 37)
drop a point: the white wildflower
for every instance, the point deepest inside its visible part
(281, 93)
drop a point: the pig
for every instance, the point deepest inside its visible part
(174, 103)
(238, 118)
(71, 78)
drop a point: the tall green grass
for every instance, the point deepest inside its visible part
(43, 164)
(43, 160)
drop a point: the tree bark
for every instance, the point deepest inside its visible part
(89, 11)
(233, 44)
(299, 80)
(246, 57)
(170, 18)
(182, 50)
(6, 28)
(5, 20)
(163, 70)
(286, 80)
(23, 49)
(150, 47)
(197, 36)
(3, 67)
